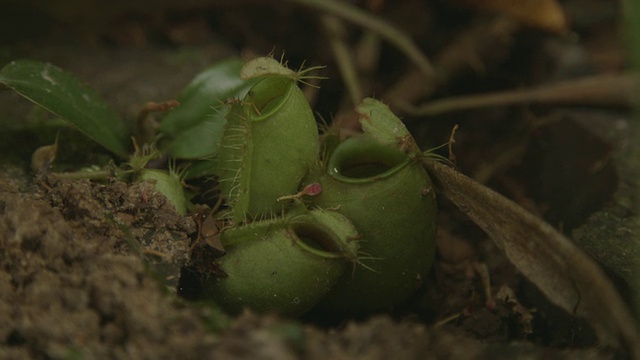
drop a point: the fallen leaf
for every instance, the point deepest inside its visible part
(563, 272)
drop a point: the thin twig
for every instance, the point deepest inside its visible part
(469, 51)
(607, 89)
(342, 54)
(369, 21)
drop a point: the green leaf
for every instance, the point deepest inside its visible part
(199, 141)
(65, 96)
(201, 168)
(194, 128)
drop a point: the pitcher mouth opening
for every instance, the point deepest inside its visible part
(315, 239)
(268, 96)
(361, 160)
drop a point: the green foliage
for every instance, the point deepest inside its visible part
(371, 180)
(65, 96)
(194, 129)
(350, 228)
(169, 184)
(269, 144)
(191, 131)
(390, 199)
(286, 264)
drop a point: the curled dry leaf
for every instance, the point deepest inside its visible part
(44, 156)
(565, 274)
(547, 15)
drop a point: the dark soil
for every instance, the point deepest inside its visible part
(89, 271)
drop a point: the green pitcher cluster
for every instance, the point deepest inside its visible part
(346, 226)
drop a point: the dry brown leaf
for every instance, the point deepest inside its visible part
(565, 274)
(546, 15)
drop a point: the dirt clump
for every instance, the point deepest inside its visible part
(72, 286)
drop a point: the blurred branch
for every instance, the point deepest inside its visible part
(601, 90)
(343, 56)
(368, 21)
(469, 51)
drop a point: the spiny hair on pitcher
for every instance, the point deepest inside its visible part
(268, 66)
